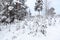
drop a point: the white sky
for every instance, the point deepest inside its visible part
(52, 3)
(56, 5)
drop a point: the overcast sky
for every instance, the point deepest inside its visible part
(52, 3)
(56, 5)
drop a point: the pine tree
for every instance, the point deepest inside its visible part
(39, 6)
(51, 12)
(13, 10)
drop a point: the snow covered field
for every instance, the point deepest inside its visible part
(35, 27)
(25, 30)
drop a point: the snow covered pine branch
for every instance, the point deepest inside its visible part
(12, 10)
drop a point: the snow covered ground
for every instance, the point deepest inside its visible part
(26, 29)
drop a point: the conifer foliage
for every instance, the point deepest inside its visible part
(12, 9)
(39, 5)
(51, 12)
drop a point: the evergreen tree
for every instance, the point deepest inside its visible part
(12, 10)
(51, 12)
(39, 5)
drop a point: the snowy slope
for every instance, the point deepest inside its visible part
(26, 29)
